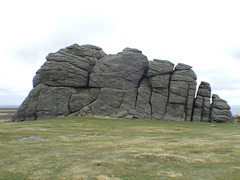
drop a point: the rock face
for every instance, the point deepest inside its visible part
(85, 81)
(181, 93)
(201, 110)
(220, 110)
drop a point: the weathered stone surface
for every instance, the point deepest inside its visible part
(178, 92)
(54, 74)
(159, 103)
(121, 71)
(206, 109)
(220, 104)
(181, 93)
(184, 75)
(201, 110)
(120, 114)
(129, 100)
(86, 51)
(83, 98)
(175, 112)
(69, 67)
(84, 81)
(54, 102)
(220, 110)
(159, 67)
(204, 89)
(160, 81)
(143, 104)
(197, 112)
(36, 80)
(182, 66)
(160, 90)
(108, 102)
(189, 103)
(28, 109)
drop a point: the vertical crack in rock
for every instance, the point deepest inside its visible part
(169, 86)
(138, 86)
(181, 79)
(201, 110)
(190, 101)
(69, 108)
(186, 103)
(159, 74)
(136, 99)
(193, 110)
(150, 103)
(143, 108)
(122, 99)
(88, 79)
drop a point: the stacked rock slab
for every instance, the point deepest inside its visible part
(119, 77)
(85, 81)
(158, 78)
(220, 110)
(182, 89)
(201, 110)
(60, 83)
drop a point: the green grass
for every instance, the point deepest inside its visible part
(119, 149)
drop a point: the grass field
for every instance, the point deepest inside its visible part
(105, 149)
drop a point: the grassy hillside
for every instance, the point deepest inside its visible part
(90, 148)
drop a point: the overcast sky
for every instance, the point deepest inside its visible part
(204, 34)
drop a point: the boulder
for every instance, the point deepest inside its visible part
(181, 93)
(219, 103)
(159, 67)
(201, 110)
(182, 66)
(220, 110)
(69, 67)
(121, 71)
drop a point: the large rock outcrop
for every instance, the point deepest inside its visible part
(85, 81)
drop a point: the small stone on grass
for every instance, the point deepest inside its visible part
(81, 136)
(33, 138)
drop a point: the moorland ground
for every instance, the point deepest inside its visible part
(98, 148)
(6, 114)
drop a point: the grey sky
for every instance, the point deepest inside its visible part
(203, 34)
